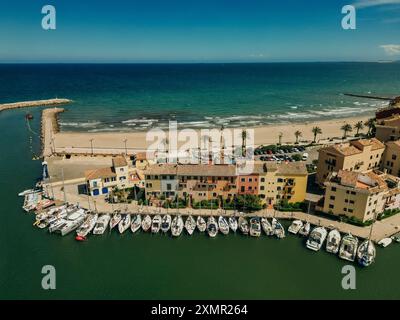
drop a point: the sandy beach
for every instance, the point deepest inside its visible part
(119, 142)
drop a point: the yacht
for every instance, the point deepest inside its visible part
(279, 231)
(136, 223)
(333, 241)
(317, 238)
(201, 224)
(223, 225)
(212, 227)
(146, 223)
(267, 227)
(57, 224)
(116, 219)
(255, 227)
(87, 226)
(295, 226)
(73, 221)
(348, 248)
(124, 223)
(233, 224)
(156, 224)
(166, 223)
(101, 224)
(190, 225)
(177, 226)
(243, 225)
(366, 253)
(305, 230)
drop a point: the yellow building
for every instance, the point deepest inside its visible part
(282, 181)
(391, 158)
(359, 155)
(388, 129)
(360, 195)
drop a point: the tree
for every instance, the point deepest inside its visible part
(297, 134)
(371, 125)
(346, 128)
(359, 126)
(244, 137)
(280, 138)
(316, 131)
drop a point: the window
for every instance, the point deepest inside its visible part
(250, 180)
(352, 201)
(346, 200)
(331, 206)
(121, 169)
(280, 180)
(333, 189)
(242, 189)
(394, 157)
(169, 188)
(353, 192)
(262, 179)
(345, 209)
(243, 179)
(262, 188)
(332, 197)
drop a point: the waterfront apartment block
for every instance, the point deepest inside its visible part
(272, 182)
(391, 158)
(360, 195)
(359, 156)
(388, 129)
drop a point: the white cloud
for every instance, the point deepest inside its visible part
(391, 49)
(373, 3)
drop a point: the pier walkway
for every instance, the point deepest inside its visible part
(35, 103)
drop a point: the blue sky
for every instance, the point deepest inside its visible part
(199, 31)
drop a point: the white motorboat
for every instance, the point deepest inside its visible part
(57, 224)
(190, 225)
(295, 226)
(136, 223)
(233, 224)
(223, 225)
(156, 224)
(101, 224)
(316, 239)
(201, 224)
(115, 219)
(166, 223)
(146, 223)
(255, 227)
(348, 248)
(366, 253)
(125, 223)
(243, 225)
(87, 226)
(26, 192)
(177, 226)
(305, 230)
(73, 221)
(333, 241)
(266, 226)
(212, 227)
(385, 242)
(279, 231)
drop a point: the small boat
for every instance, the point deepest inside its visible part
(305, 230)
(156, 224)
(295, 226)
(73, 221)
(233, 224)
(223, 225)
(87, 225)
(255, 227)
(80, 238)
(166, 223)
(348, 248)
(201, 224)
(146, 223)
(124, 223)
(177, 226)
(136, 223)
(190, 225)
(316, 239)
(101, 224)
(333, 241)
(385, 242)
(116, 219)
(267, 227)
(26, 192)
(366, 253)
(243, 225)
(212, 227)
(396, 237)
(279, 231)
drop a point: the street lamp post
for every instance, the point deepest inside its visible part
(126, 148)
(91, 145)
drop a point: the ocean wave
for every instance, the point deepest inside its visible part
(89, 124)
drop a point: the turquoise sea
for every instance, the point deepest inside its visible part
(142, 266)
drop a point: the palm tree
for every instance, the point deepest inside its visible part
(280, 136)
(371, 125)
(316, 131)
(244, 137)
(297, 134)
(346, 128)
(359, 126)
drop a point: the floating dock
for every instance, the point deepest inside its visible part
(36, 103)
